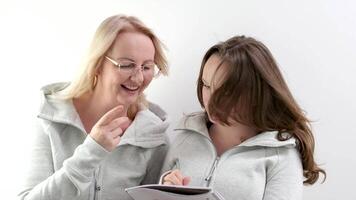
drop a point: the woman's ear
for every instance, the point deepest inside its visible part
(99, 66)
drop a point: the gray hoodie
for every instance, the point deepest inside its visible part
(261, 167)
(68, 164)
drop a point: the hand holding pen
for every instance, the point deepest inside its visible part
(176, 177)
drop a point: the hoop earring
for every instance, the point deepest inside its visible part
(95, 81)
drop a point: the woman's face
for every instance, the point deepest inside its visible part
(212, 79)
(118, 86)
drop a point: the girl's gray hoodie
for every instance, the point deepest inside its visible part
(68, 164)
(261, 167)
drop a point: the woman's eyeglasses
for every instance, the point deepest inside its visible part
(130, 68)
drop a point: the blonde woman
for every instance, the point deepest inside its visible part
(252, 141)
(98, 135)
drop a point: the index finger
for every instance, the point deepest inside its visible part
(110, 115)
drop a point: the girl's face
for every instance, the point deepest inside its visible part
(212, 78)
(118, 85)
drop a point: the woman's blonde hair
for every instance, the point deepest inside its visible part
(102, 42)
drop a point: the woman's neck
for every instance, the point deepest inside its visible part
(91, 108)
(226, 137)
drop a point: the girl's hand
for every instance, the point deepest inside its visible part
(176, 178)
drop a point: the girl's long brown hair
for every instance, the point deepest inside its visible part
(254, 93)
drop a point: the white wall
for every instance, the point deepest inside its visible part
(313, 41)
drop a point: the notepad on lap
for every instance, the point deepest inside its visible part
(172, 192)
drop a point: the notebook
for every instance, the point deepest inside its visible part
(172, 192)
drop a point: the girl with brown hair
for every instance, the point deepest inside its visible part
(252, 141)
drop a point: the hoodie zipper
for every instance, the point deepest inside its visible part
(97, 187)
(212, 170)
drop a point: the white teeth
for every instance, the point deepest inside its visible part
(131, 87)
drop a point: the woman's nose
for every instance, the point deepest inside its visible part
(137, 75)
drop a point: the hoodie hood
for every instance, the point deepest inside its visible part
(196, 123)
(147, 130)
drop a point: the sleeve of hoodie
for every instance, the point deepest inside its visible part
(171, 161)
(285, 178)
(72, 181)
(154, 166)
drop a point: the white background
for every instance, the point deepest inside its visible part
(313, 41)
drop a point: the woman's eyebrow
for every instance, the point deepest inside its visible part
(125, 58)
(132, 60)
